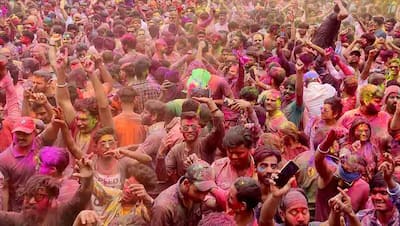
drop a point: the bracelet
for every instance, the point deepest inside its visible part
(215, 110)
(323, 152)
(62, 85)
(52, 45)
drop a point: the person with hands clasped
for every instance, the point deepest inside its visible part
(347, 175)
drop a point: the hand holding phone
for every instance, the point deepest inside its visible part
(287, 172)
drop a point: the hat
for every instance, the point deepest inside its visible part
(311, 75)
(201, 175)
(25, 125)
(389, 90)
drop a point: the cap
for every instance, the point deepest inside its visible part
(202, 175)
(311, 75)
(25, 125)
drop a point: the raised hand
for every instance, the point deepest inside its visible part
(62, 61)
(116, 153)
(387, 167)
(139, 191)
(280, 192)
(89, 66)
(59, 117)
(84, 169)
(328, 141)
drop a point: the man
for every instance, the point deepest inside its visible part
(370, 110)
(180, 204)
(315, 93)
(222, 24)
(17, 162)
(193, 147)
(275, 118)
(39, 195)
(127, 124)
(244, 196)
(267, 162)
(42, 83)
(238, 142)
(128, 42)
(390, 98)
(87, 115)
(383, 211)
(138, 81)
(347, 175)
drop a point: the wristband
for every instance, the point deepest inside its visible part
(323, 152)
(62, 85)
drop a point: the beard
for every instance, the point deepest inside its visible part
(371, 109)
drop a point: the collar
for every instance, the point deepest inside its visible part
(156, 126)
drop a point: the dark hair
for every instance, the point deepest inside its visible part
(87, 105)
(190, 105)
(248, 191)
(249, 93)
(143, 174)
(141, 66)
(41, 181)
(217, 219)
(377, 181)
(262, 152)
(31, 63)
(357, 121)
(156, 107)
(278, 75)
(103, 131)
(236, 136)
(369, 37)
(43, 74)
(391, 20)
(129, 69)
(81, 47)
(54, 156)
(127, 94)
(336, 105)
(189, 115)
(28, 34)
(379, 20)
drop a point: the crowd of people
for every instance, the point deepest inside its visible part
(190, 112)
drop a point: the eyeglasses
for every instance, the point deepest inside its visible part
(187, 127)
(38, 196)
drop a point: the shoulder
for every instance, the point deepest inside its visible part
(219, 163)
(364, 213)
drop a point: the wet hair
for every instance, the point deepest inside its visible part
(236, 136)
(217, 219)
(336, 105)
(262, 152)
(248, 191)
(127, 94)
(156, 107)
(143, 174)
(54, 156)
(103, 131)
(87, 105)
(36, 182)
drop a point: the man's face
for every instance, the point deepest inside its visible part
(239, 156)
(288, 92)
(147, 118)
(233, 72)
(327, 112)
(193, 193)
(389, 26)
(258, 41)
(354, 58)
(106, 143)
(381, 200)
(302, 31)
(374, 106)
(39, 84)
(190, 129)
(392, 101)
(394, 69)
(362, 132)
(36, 204)
(23, 139)
(127, 195)
(235, 42)
(266, 168)
(85, 122)
(42, 114)
(296, 215)
(222, 18)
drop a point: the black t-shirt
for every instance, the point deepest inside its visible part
(327, 32)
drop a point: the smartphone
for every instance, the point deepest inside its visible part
(287, 172)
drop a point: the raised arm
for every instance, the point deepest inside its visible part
(12, 108)
(62, 94)
(299, 83)
(371, 58)
(343, 13)
(102, 101)
(104, 74)
(321, 164)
